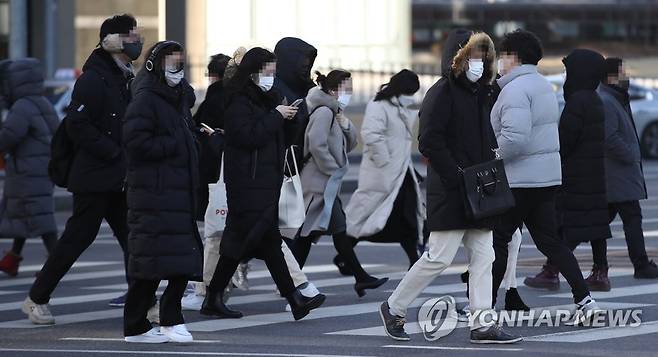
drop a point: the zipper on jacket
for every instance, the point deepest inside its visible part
(254, 163)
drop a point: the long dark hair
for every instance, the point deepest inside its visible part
(252, 63)
(404, 82)
(332, 80)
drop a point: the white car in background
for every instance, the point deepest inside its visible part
(644, 105)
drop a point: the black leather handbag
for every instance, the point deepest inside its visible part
(486, 190)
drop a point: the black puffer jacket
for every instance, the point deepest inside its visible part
(455, 131)
(256, 138)
(94, 123)
(27, 208)
(162, 179)
(294, 62)
(582, 203)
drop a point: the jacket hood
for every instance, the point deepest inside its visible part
(516, 72)
(294, 60)
(101, 61)
(456, 52)
(584, 69)
(24, 77)
(317, 98)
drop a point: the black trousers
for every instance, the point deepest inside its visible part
(81, 230)
(140, 299)
(536, 208)
(631, 217)
(270, 252)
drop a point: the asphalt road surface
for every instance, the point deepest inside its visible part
(344, 326)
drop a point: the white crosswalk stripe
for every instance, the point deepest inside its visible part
(106, 279)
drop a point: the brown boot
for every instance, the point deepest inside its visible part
(548, 278)
(9, 263)
(598, 279)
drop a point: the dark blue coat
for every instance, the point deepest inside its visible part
(27, 208)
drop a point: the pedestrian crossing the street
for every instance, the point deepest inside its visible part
(85, 291)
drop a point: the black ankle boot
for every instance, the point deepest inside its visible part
(513, 301)
(342, 267)
(302, 305)
(213, 305)
(372, 283)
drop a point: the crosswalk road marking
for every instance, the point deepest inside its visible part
(67, 277)
(37, 267)
(633, 290)
(597, 334)
(412, 327)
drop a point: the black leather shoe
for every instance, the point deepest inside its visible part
(302, 305)
(372, 283)
(213, 305)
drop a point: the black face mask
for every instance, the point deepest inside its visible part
(133, 50)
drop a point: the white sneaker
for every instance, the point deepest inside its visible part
(288, 308)
(239, 278)
(586, 312)
(191, 302)
(309, 290)
(153, 315)
(38, 314)
(177, 333)
(152, 336)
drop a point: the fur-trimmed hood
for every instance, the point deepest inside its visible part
(456, 53)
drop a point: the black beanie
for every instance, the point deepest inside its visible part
(121, 24)
(612, 65)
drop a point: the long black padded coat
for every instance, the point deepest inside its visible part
(162, 181)
(582, 204)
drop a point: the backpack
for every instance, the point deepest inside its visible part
(307, 157)
(62, 153)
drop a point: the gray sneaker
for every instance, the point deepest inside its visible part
(38, 314)
(493, 335)
(393, 324)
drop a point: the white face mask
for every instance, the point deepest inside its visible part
(406, 100)
(475, 70)
(344, 100)
(265, 83)
(174, 78)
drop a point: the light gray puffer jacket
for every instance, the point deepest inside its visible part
(525, 121)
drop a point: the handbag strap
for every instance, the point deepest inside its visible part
(286, 164)
(221, 169)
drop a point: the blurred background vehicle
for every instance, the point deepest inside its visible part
(644, 105)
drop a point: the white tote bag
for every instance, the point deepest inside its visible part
(215, 217)
(291, 203)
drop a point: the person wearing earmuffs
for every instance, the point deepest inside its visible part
(97, 168)
(162, 191)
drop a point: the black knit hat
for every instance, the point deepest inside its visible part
(121, 24)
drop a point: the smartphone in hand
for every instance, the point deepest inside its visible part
(207, 129)
(297, 103)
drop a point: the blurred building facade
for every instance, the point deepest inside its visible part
(629, 24)
(375, 37)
